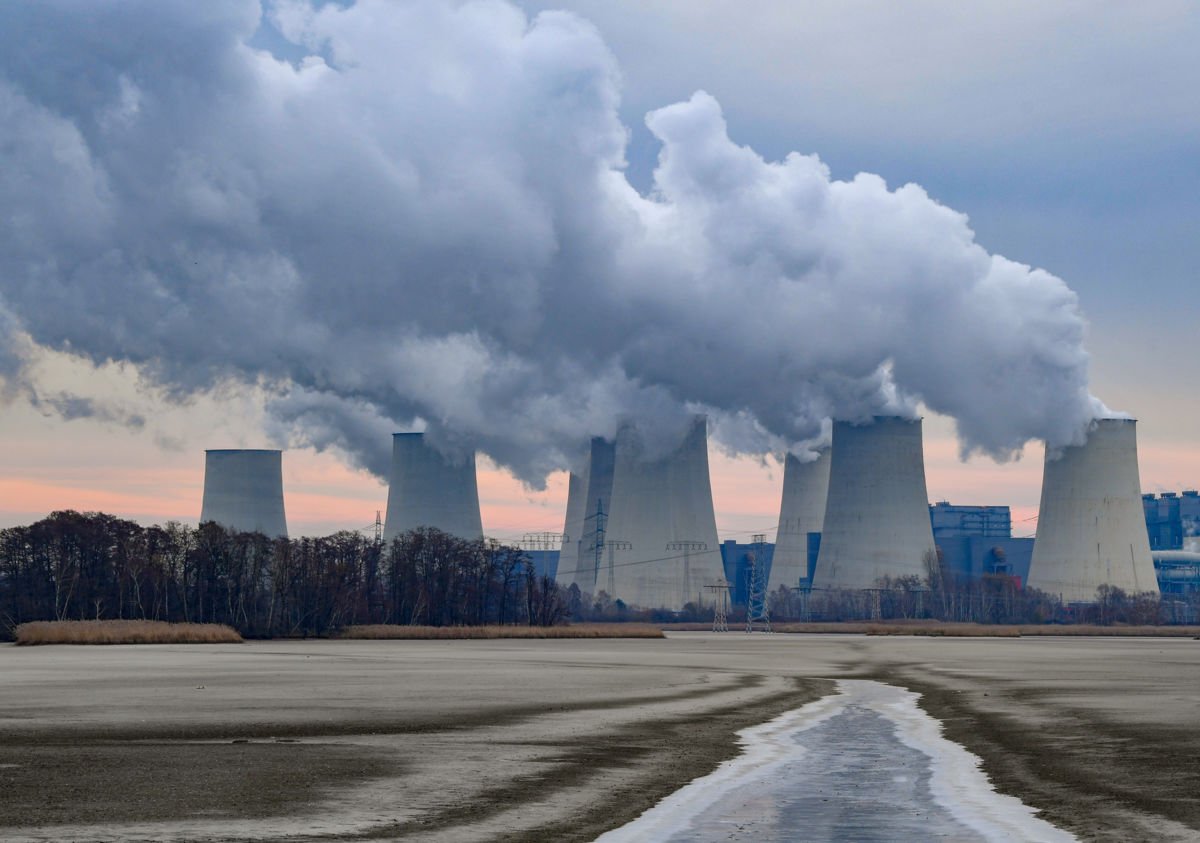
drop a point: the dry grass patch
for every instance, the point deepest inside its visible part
(124, 632)
(582, 630)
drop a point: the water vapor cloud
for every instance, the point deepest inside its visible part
(388, 214)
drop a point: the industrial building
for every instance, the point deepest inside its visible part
(660, 543)
(950, 521)
(1178, 571)
(877, 513)
(243, 490)
(429, 489)
(641, 526)
(567, 565)
(1173, 520)
(584, 545)
(801, 512)
(736, 559)
(1092, 525)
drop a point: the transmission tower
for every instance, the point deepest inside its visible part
(688, 549)
(593, 542)
(543, 541)
(757, 613)
(614, 545)
(378, 529)
(720, 592)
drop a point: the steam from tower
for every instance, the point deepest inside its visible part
(425, 220)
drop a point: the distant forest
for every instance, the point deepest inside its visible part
(83, 566)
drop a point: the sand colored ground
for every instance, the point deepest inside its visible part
(552, 740)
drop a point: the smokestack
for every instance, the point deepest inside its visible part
(568, 556)
(1091, 526)
(599, 498)
(877, 515)
(662, 527)
(243, 490)
(802, 511)
(429, 490)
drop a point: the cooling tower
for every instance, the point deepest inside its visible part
(429, 489)
(568, 556)
(877, 514)
(243, 490)
(663, 509)
(1091, 526)
(597, 500)
(802, 511)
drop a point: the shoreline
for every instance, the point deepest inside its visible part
(575, 767)
(778, 749)
(555, 740)
(1074, 783)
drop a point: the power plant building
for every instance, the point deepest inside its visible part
(429, 489)
(736, 560)
(1092, 526)
(801, 511)
(877, 521)
(595, 518)
(1173, 520)
(243, 490)
(950, 521)
(663, 531)
(568, 557)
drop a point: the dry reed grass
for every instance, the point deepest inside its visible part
(123, 632)
(582, 630)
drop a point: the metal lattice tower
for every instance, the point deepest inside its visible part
(757, 611)
(614, 545)
(688, 549)
(593, 541)
(720, 592)
(378, 528)
(542, 541)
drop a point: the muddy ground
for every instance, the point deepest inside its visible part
(552, 740)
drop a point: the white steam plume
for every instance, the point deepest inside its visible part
(426, 221)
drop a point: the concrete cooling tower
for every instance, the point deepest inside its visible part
(243, 490)
(663, 523)
(568, 556)
(430, 490)
(598, 499)
(802, 511)
(877, 515)
(1091, 526)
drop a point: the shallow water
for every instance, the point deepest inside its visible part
(865, 764)
(855, 781)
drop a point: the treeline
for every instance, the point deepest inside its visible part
(990, 599)
(84, 566)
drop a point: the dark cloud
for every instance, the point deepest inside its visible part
(426, 221)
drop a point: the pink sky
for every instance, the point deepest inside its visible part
(120, 472)
(156, 473)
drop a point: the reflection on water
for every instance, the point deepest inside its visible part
(856, 782)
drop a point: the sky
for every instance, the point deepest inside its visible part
(1065, 132)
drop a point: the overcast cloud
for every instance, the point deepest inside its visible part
(418, 213)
